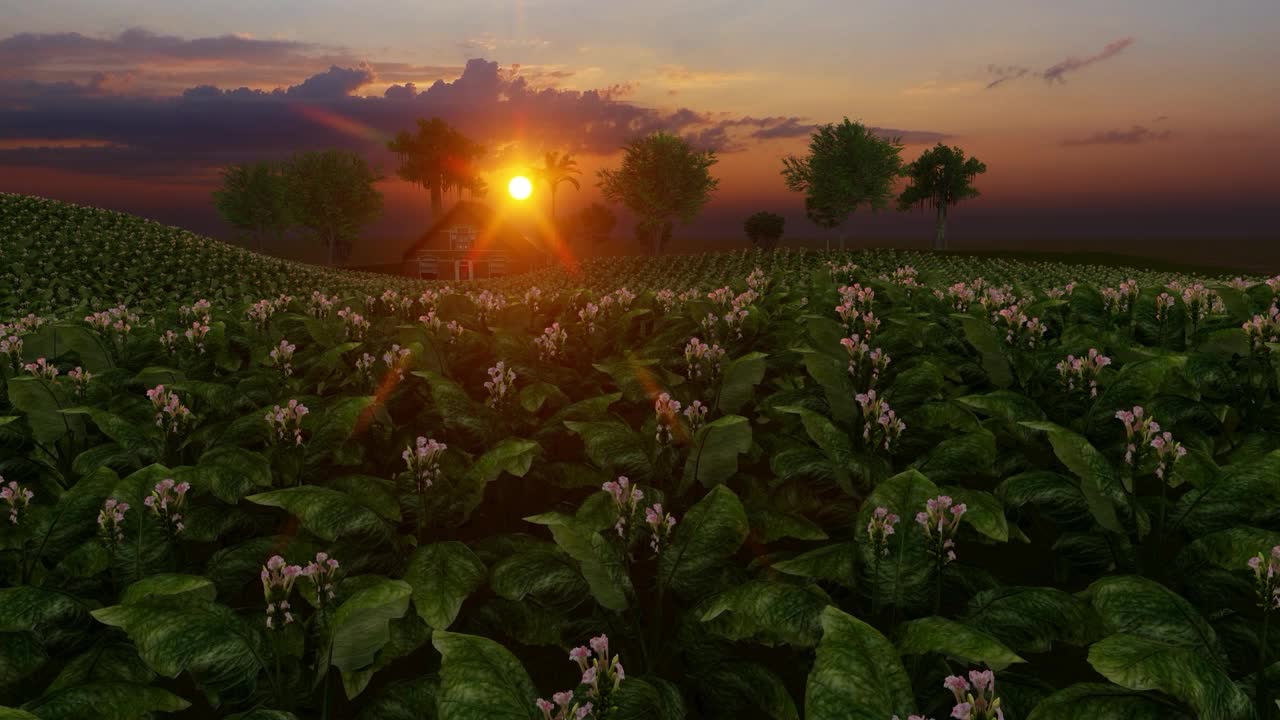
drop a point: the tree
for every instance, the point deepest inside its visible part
(437, 157)
(253, 199)
(939, 178)
(556, 169)
(764, 229)
(847, 166)
(662, 179)
(596, 222)
(331, 193)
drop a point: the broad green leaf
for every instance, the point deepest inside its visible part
(340, 421)
(1142, 607)
(738, 383)
(833, 442)
(646, 699)
(615, 447)
(8, 713)
(545, 574)
(833, 376)
(768, 612)
(961, 456)
(770, 525)
(748, 689)
(600, 561)
(213, 643)
(1182, 671)
(55, 339)
(834, 563)
(1099, 701)
(948, 637)
(105, 660)
(713, 457)
(171, 585)
(228, 472)
(984, 512)
(1031, 619)
(328, 513)
(21, 655)
(42, 404)
(905, 575)
(984, 338)
(107, 701)
(1229, 549)
(56, 618)
(127, 434)
(361, 624)
(856, 675)
(404, 700)
(442, 575)
(481, 680)
(708, 535)
(1097, 477)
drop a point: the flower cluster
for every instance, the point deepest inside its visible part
(171, 414)
(261, 311)
(11, 347)
(322, 572)
(41, 369)
(169, 341)
(625, 498)
(423, 461)
(880, 528)
(758, 281)
(200, 309)
(1263, 329)
(602, 673)
(696, 415)
(281, 357)
(976, 697)
(165, 500)
(702, 361)
(354, 325)
(117, 320)
(1266, 571)
(1120, 300)
(1164, 303)
(16, 497)
(551, 342)
(319, 305)
(533, 298)
(865, 362)
(1142, 432)
(286, 421)
(195, 336)
(111, 521)
(1019, 330)
(278, 578)
(962, 296)
(364, 366)
(666, 298)
(1201, 302)
(660, 525)
(1168, 451)
(79, 378)
(881, 427)
(487, 303)
(940, 520)
(905, 276)
(1078, 373)
(501, 382)
(396, 359)
(666, 410)
(455, 330)
(588, 315)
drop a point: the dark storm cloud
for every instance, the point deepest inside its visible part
(1135, 135)
(26, 50)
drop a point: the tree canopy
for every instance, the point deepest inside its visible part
(556, 169)
(848, 166)
(764, 229)
(596, 221)
(662, 180)
(437, 157)
(253, 198)
(941, 177)
(331, 193)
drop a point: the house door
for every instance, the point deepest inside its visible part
(463, 270)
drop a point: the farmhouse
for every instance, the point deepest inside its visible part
(469, 242)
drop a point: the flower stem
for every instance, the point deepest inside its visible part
(1260, 686)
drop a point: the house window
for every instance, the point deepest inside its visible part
(498, 266)
(428, 267)
(461, 237)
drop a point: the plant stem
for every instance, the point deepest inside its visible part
(937, 584)
(875, 590)
(1260, 686)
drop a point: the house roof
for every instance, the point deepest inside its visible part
(493, 234)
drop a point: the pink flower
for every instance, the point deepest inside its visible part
(961, 711)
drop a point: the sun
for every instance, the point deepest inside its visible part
(520, 187)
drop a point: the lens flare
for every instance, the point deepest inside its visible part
(520, 187)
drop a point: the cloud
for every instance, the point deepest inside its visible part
(1001, 74)
(1057, 73)
(1135, 135)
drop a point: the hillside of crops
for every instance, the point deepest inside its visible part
(744, 485)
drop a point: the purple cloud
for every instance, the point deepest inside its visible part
(1057, 72)
(1135, 135)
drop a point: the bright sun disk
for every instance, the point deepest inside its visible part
(520, 187)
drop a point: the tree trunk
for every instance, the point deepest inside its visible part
(940, 240)
(436, 200)
(554, 227)
(841, 242)
(333, 247)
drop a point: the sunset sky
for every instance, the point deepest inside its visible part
(1138, 121)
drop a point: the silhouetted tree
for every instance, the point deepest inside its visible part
(764, 229)
(331, 193)
(437, 157)
(253, 199)
(596, 222)
(847, 166)
(662, 179)
(556, 169)
(939, 178)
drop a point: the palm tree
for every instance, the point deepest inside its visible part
(556, 169)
